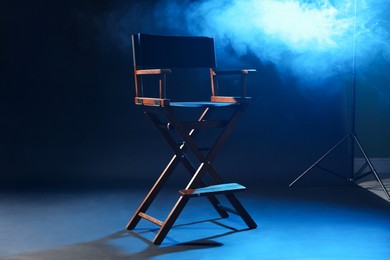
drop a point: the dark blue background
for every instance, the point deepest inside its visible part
(67, 116)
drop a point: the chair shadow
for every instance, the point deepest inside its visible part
(104, 248)
(174, 247)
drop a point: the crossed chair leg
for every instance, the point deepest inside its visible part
(196, 186)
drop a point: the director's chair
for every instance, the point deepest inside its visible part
(157, 56)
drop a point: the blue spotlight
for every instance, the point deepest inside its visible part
(310, 39)
(302, 26)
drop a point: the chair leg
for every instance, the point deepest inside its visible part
(180, 153)
(197, 175)
(170, 220)
(153, 192)
(241, 210)
(179, 206)
(233, 200)
(211, 155)
(213, 199)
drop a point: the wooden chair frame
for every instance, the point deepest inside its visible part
(161, 111)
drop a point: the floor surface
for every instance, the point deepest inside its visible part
(342, 222)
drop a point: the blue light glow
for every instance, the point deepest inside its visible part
(301, 26)
(312, 40)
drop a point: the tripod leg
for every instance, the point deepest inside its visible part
(319, 160)
(368, 161)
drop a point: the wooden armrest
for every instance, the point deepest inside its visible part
(146, 101)
(232, 72)
(214, 80)
(153, 71)
(161, 72)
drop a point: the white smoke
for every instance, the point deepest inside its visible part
(311, 40)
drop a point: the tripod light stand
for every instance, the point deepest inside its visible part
(352, 135)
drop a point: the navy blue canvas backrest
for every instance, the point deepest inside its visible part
(158, 51)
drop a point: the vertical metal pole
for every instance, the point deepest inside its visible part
(353, 105)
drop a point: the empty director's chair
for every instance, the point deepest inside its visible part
(157, 56)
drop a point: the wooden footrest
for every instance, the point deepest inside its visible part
(214, 189)
(151, 219)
